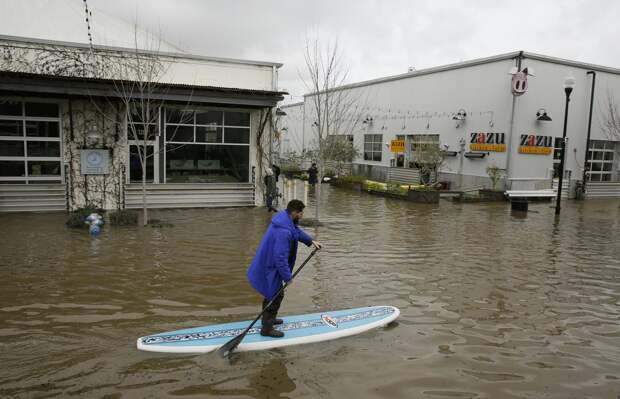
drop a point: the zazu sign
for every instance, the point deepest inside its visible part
(495, 142)
(539, 145)
(397, 146)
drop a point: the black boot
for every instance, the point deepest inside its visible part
(267, 329)
(273, 333)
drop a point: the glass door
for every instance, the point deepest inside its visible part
(143, 144)
(135, 166)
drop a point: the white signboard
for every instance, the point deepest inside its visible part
(95, 162)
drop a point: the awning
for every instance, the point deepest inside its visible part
(19, 83)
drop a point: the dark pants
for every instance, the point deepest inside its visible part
(269, 202)
(272, 311)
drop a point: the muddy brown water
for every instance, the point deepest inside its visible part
(494, 304)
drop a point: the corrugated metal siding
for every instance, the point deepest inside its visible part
(602, 190)
(565, 187)
(404, 175)
(33, 197)
(190, 195)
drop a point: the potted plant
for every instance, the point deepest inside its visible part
(495, 174)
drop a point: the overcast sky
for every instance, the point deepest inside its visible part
(378, 38)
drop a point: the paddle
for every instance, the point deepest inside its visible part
(231, 345)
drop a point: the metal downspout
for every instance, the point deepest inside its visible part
(511, 128)
(585, 163)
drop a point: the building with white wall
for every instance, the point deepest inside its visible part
(469, 109)
(71, 134)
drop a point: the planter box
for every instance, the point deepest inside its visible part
(386, 194)
(425, 197)
(350, 186)
(492, 195)
(466, 199)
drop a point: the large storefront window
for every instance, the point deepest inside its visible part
(30, 143)
(372, 147)
(207, 146)
(600, 166)
(197, 163)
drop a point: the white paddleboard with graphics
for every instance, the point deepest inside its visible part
(302, 329)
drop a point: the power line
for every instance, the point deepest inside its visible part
(89, 16)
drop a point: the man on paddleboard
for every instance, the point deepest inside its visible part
(274, 260)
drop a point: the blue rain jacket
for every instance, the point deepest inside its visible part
(275, 257)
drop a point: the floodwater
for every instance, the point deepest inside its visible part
(494, 304)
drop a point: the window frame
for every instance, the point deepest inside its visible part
(601, 175)
(372, 143)
(25, 139)
(196, 110)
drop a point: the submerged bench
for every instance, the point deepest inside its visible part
(519, 198)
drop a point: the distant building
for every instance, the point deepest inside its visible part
(469, 110)
(72, 128)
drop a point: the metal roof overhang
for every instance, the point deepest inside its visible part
(16, 83)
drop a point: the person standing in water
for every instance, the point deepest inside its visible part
(270, 189)
(313, 174)
(273, 263)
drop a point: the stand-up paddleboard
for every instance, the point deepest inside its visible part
(303, 329)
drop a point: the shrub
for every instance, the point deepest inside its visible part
(425, 187)
(395, 188)
(123, 218)
(495, 174)
(76, 218)
(373, 185)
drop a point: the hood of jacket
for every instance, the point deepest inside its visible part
(283, 220)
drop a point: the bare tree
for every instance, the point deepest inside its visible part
(429, 158)
(337, 110)
(138, 82)
(610, 118)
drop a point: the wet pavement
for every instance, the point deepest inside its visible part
(494, 304)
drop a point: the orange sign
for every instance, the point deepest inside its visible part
(538, 145)
(486, 141)
(397, 146)
(535, 150)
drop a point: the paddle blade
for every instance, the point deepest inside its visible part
(226, 349)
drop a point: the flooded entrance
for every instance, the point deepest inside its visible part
(493, 304)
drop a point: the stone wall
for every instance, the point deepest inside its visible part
(80, 117)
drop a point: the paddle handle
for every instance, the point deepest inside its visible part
(283, 288)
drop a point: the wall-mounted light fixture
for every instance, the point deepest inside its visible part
(279, 112)
(368, 120)
(541, 115)
(460, 115)
(475, 155)
(93, 135)
(315, 123)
